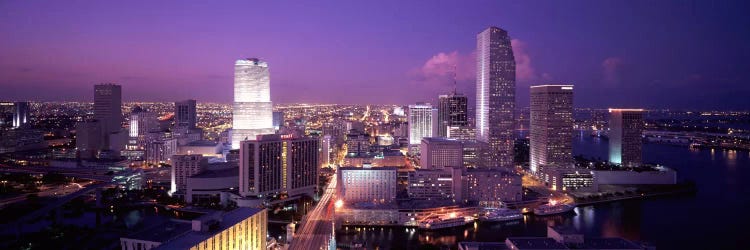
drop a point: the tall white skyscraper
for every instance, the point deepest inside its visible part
(252, 111)
(496, 94)
(420, 122)
(551, 123)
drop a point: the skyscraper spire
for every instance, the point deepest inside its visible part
(455, 84)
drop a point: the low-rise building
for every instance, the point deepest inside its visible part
(435, 184)
(492, 187)
(375, 185)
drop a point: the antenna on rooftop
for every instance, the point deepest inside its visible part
(455, 85)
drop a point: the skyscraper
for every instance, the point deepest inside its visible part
(252, 111)
(625, 131)
(108, 106)
(451, 112)
(185, 114)
(420, 122)
(551, 126)
(20, 114)
(496, 94)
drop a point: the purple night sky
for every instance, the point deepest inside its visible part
(653, 54)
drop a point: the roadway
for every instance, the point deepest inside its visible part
(316, 228)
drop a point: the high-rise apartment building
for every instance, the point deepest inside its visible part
(496, 94)
(420, 122)
(252, 110)
(108, 106)
(184, 166)
(438, 153)
(625, 136)
(276, 164)
(452, 111)
(185, 115)
(551, 124)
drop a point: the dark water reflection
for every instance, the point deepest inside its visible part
(714, 218)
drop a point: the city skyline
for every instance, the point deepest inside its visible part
(631, 56)
(444, 125)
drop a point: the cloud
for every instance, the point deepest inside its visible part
(525, 72)
(439, 69)
(611, 70)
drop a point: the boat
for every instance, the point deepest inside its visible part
(503, 214)
(554, 208)
(438, 223)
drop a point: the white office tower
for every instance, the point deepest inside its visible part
(551, 126)
(496, 94)
(420, 122)
(252, 111)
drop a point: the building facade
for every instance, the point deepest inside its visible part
(108, 106)
(492, 187)
(420, 122)
(435, 184)
(185, 114)
(20, 114)
(183, 167)
(496, 94)
(551, 126)
(373, 185)
(278, 164)
(452, 111)
(437, 153)
(357, 143)
(252, 110)
(625, 137)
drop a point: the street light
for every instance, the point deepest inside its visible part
(339, 204)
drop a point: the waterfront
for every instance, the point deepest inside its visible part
(713, 218)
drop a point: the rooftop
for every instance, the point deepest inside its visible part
(608, 243)
(370, 168)
(536, 243)
(218, 173)
(202, 143)
(162, 231)
(192, 238)
(473, 245)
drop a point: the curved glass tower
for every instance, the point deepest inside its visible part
(252, 111)
(496, 94)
